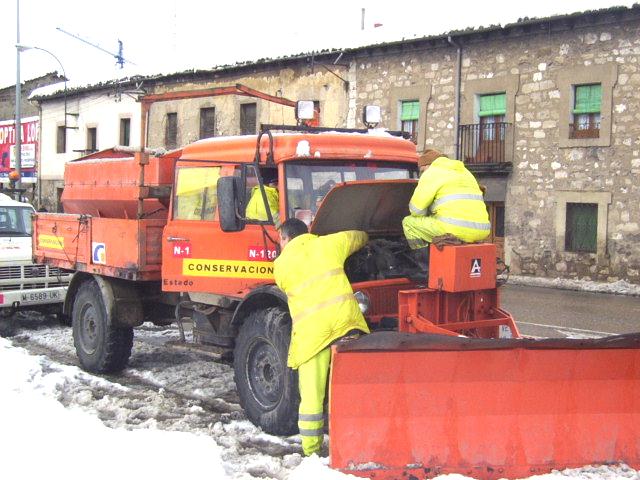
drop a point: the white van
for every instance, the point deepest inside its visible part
(25, 285)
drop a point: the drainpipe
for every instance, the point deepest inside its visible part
(457, 101)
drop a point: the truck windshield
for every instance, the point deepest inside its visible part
(308, 183)
(15, 221)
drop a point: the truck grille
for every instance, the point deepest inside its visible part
(10, 272)
(25, 277)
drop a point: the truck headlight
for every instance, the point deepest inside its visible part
(363, 301)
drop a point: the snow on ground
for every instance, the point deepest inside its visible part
(621, 287)
(170, 414)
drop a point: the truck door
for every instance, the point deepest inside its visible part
(197, 256)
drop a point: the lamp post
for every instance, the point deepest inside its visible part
(18, 128)
(22, 48)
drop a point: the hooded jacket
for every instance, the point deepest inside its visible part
(310, 270)
(449, 192)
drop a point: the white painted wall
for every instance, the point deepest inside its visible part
(94, 109)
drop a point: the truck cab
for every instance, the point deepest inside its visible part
(25, 285)
(209, 245)
(221, 262)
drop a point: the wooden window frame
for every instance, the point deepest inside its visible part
(397, 95)
(207, 130)
(171, 130)
(410, 125)
(92, 139)
(606, 75)
(125, 132)
(572, 242)
(61, 139)
(603, 200)
(244, 130)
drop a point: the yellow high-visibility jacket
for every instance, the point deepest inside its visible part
(255, 207)
(449, 192)
(310, 270)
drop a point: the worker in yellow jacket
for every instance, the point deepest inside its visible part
(256, 209)
(310, 270)
(447, 199)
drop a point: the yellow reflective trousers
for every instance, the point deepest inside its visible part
(312, 382)
(256, 209)
(446, 200)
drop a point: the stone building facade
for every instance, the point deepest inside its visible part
(546, 174)
(238, 114)
(562, 179)
(28, 109)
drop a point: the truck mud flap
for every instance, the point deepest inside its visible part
(421, 405)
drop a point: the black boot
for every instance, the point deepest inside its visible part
(421, 256)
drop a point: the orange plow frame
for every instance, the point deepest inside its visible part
(421, 405)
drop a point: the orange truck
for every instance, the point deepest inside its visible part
(444, 384)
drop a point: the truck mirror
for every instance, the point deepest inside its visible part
(229, 204)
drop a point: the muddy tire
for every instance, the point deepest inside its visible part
(101, 347)
(267, 388)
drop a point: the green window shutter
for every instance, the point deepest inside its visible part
(410, 110)
(588, 98)
(582, 227)
(495, 104)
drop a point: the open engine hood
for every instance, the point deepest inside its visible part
(374, 206)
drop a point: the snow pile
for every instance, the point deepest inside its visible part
(122, 427)
(600, 472)
(171, 415)
(42, 439)
(621, 287)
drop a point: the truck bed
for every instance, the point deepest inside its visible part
(115, 247)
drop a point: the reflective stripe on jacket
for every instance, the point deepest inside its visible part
(450, 193)
(255, 207)
(310, 270)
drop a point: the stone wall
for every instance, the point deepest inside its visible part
(28, 109)
(386, 78)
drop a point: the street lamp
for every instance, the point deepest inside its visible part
(18, 129)
(22, 48)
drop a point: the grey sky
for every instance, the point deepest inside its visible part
(164, 36)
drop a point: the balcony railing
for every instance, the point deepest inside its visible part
(483, 143)
(584, 130)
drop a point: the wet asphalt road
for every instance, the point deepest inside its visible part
(547, 312)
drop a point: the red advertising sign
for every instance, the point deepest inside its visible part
(30, 135)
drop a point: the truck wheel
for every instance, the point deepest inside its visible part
(267, 388)
(101, 347)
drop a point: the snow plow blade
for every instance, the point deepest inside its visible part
(406, 406)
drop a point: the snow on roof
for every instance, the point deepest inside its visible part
(48, 90)
(352, 44)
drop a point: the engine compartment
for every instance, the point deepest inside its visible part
(386, 258)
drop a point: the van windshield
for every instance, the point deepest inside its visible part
(308, 183)
(15, 221)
